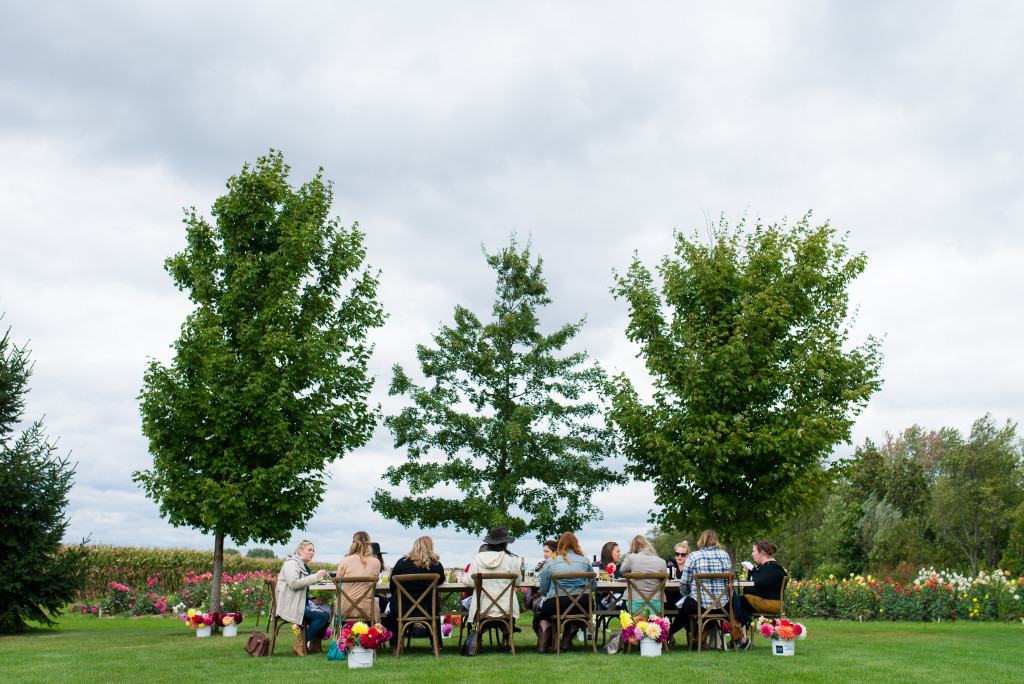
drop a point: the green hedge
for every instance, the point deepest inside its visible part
(133, 566)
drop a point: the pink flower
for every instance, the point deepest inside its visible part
(767, 631)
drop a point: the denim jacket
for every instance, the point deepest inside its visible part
(576, 563)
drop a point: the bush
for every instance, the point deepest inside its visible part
(260, 553)
(243, 593)
(133, 565)
(933, 595)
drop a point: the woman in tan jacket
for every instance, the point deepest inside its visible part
(294, 603)
(360, 562)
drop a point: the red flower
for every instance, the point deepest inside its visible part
(797, 629)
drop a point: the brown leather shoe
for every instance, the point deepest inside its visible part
(543, 640)
(314, 646)
(299, 648)
(567, 637)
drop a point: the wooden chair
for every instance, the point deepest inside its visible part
(503, 601)
(274, 621)
(412, 609)
(719, 608)
(575, 611)
(782, 604)
(354, 590)
(647, 599)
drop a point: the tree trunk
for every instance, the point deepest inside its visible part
(218, 572)
(732, 552)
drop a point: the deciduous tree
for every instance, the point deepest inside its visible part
(268, 383)
(746, 341)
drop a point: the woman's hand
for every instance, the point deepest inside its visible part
(320, 574)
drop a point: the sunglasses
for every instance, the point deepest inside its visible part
(680, 555)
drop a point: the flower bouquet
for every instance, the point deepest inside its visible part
(449, 623)
(362, 635)
(201, 622)
(228, 622)
(636, 628)
(782, 633)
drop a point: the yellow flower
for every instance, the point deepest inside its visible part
(191, 612)
(360, 628)
(986, 595)
(625, 619)
(975, 600)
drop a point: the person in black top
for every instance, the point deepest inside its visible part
(674, 563)
(766, 594)
(421, 560)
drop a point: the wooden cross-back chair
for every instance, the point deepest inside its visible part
(573, 610)
(414, 610)
(274, 621)
(647, 599)
(782, 604)
(502, 601)
(354, 590)
(710, 613)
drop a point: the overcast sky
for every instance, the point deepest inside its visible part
(595, 129)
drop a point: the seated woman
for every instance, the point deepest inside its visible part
(642, 558)
(610, 555)
(675, 562)
(568, 558)
(420, 560)
(532, 597)
(360, 562)
(765, 596)
(708, 557)
(294, 603)
(496, 558)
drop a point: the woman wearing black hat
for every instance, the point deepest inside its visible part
(497, 558)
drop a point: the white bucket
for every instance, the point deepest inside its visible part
(360, 657)
(649, 647)
(782, 647)
(231, 630)
(204, 631)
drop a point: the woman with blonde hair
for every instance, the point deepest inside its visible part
(360, 562)
(420, 560)
(642, 558)
(294, 603)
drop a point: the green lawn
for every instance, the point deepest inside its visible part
(163, 649)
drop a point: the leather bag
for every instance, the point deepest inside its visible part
(258, 645)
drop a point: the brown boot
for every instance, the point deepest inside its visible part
(299, 648)
(567, 637)
(314, 646)
(543, 640)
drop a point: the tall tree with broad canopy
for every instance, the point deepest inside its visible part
(269, 379)
(39, 577)
(754, 380)
(511, 423)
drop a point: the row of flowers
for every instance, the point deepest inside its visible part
(242, 592)
(932, 596)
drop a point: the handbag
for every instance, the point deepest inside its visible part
(258, 645)
(614, 645)
(334, 653)
(469, 645)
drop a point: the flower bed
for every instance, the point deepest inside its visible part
(933, 595)
(240, 593)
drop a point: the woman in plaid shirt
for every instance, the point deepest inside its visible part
(708, 557)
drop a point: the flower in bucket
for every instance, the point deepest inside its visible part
(363, 635)
(194, 619)
(781, 629)
(225, 619)
(636, 627)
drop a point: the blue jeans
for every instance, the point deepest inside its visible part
(316, 623)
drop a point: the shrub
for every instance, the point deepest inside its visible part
(260, 553)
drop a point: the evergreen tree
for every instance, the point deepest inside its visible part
(39, 577)
(504, 421)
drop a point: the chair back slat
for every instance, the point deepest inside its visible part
(575, 611)
(647, 598)
(416, 603)
(354, 590)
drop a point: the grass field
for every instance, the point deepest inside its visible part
(89, 649)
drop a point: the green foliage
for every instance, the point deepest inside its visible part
(754, 378)
(260, 553)
(269, 383)
(664, 541)
(37, 580)
(232, 552)
(504, 420)
(977, 490)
